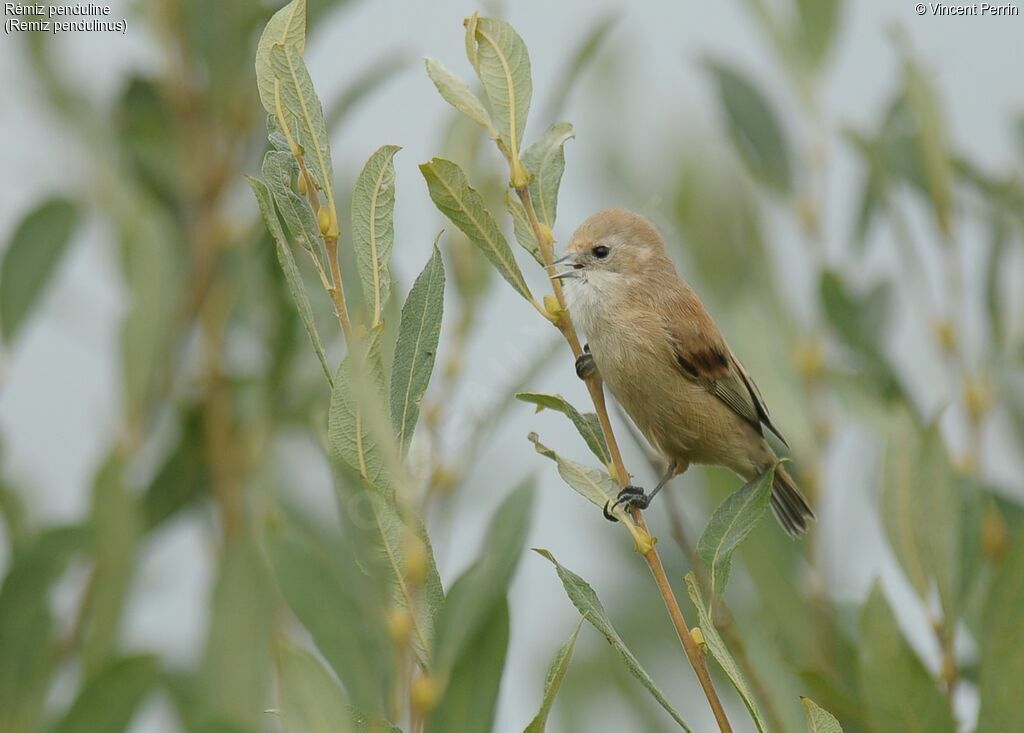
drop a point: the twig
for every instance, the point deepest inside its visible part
(650, 553)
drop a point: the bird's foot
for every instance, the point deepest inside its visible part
(585, 365)
(631, 496)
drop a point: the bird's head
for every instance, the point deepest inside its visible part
(613, 244)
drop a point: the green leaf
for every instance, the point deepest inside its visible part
(901, 696)
(457, 93)
(373, 228)
(545, 161)
(184, 477)
(471, 697)
(819, 21)
(1002, 654)
(729, 525)
(593, 484)
(581, 58)
(819, 720)
(30, 259)
(291, 271)
(108, 700)
(453, 196)
(503, 65)
(332, 600)
(523, 228)
(359, 432)
(279, 168)
(588, 604)
(586, 423)
(553, 681)
(309, 699)
(721, 653)
(918, 473)
(754, 127)
(416, 347)
(474, 596)
(234, 678)
(26, 625)
(115, 527)
(933, 145)
(286, 27)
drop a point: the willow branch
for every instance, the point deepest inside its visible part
(650, 554)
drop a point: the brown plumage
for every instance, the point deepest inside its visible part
(664, 359)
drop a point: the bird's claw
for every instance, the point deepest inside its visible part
(585, 365)
(630, 496)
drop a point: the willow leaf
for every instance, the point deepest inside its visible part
(553, 681)
(373, 227)
(457, 93)
(588, 604)
(416, 347)
(729, 525)
(523, 228)
(586, 423)
(456, 199)
(545, 160)
(278, 168)
(286, 27)
(291, 271)
(299, 113)
(593, 484)
(819, 720)
(721, 653)
(503, 65)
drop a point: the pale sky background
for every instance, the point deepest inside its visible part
(59, 388)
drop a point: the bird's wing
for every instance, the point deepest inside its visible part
(702, 355)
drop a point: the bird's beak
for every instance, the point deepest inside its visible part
(570, 261)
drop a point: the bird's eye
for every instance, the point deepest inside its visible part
(600, 252)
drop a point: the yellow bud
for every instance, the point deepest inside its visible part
(552, 308)
(520, 176)
(545, 232)
(452, 366)
(810, 362)
(948, 672)
(994, 537)
(302, 184)
(431, 414)
(807, 212)
(323, 218)
(399, 625)
(945, 335)
(978, 398)
(425, 693)
(698, 637)
(415, 555)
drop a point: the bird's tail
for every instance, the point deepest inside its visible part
(788, 505)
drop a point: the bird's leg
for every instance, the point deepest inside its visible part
(585, 365)
(632, 496)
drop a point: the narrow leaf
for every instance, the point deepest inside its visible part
(729, 525)
(545, 160)
(754, 128)
(587, 424)
(286, 27)
(819, 720)
(416, 347)
(309, 699)
(933, 145)
(452, 194)
(553, 681)
(902, 695)
(503, 65)
(1002, 655)
(291, 272)
(475, 594)
(721, 653)
(108, 700)
(278, 169)
(588, 604)
(373, 228)
(471, 696)
(458, 94)
(30, 260)
(819, 22)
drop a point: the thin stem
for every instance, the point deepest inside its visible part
(337, 289)
(650, 553)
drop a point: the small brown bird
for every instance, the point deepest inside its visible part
(665, 361)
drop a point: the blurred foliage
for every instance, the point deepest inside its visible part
(343, 623)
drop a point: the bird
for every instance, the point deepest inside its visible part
(652, 342)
